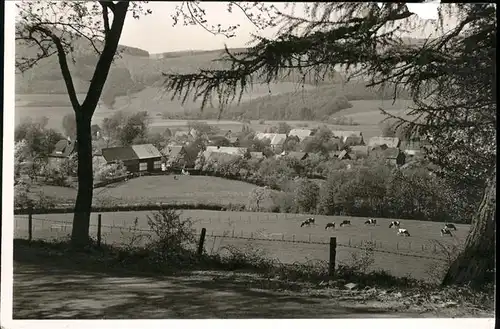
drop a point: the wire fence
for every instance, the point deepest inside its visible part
(288, 249)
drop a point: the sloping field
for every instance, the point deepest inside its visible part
(242, 228)
(151, 189)
(367, 112)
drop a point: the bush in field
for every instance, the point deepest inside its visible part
(286, 202)
(173, 237)
(306, 196)
(263, 199)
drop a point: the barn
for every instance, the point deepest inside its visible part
(136, 158)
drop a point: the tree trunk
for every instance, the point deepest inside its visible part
(477, 261)
(83, 205)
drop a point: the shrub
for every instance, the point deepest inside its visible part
(53, 175)
(172, 239)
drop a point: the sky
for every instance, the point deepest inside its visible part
(155, 34)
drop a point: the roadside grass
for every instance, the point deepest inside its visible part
(260, 272)
(129, 258)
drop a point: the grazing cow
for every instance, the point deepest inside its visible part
(445, 231)
(345, 222)
(450, 226)
(394, 223)
(330, 225)
(307, 222)
(403, 231)
(311, 220)
(371, 221)
(175, 177)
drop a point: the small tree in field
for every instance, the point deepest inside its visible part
(306, 196)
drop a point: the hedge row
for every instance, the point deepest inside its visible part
(136, 207)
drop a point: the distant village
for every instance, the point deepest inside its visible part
(173, 155)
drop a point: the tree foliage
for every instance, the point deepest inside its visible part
(69, 125)
(40, 140)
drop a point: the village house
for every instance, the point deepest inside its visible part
(411, 148)
(136, 158)
(343, 134)
(175, 156)
(296, 155)
(354, 141)
(300, 133)
(185, 136)
(390, 142)
(360, 151)
(277, 140)
(238, 151)
(395, 156)
(62, 150)
(257, 155)
(343, 155)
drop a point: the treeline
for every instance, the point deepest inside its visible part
(318, 104)
(358, 188)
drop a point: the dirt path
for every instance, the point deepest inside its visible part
(43, 292)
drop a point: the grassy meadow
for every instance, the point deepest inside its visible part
(152, 189)
(232, 226)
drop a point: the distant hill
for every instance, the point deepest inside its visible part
(136, 70)
(309, 104)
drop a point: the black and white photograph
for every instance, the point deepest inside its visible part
(249, 160)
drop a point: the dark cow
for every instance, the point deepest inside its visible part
(345, 222)
(394, 223)
(445, 231)
(330, 225)
(307, 222)
(450, 226)
(371, 221)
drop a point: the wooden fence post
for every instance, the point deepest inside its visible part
(99, 223)
(333, 255)
(30, 224)
(202, 241)
(309, 237)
